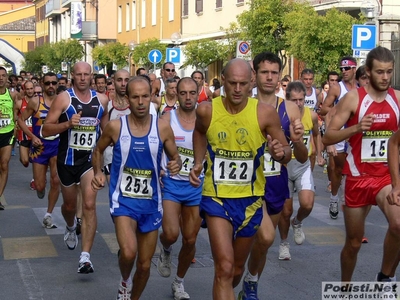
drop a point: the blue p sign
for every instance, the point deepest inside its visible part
(363, 37)
(173, 55)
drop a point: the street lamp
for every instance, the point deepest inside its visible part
(370, 9)
(131, 46)
(176, 38)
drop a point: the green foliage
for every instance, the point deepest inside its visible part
(233, 34)
(263, 25)
(110, 53)
(201, 53)
(141, 52)
(322, 40)
(52, 55)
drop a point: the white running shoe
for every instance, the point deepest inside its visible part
(178, 291)
(48, 223)
(124, 291)
(164, 263)
(70, 239)
(284, 253)
(334, 209)
(298, 233)
(85, 265)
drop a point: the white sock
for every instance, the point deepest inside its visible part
(178, 279)
(334, 198)
(47, 214)
(393, 278)
(169, 249)
(85, 254)
(128, 281)
(250, 277)
(284, 241)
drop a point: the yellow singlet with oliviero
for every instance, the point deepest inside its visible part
(308, 125)
(235, 151)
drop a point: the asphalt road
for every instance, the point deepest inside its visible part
(35, 264)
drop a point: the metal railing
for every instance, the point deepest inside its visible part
(395, 46)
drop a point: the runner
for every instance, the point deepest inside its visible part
(204, 92)
(135, 194)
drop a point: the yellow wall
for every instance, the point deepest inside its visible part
(107, 25)
(42, 24)
(163, 28)
(17, 14)
(18, 40)
(10, 6)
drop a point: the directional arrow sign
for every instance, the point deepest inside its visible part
(154, 56)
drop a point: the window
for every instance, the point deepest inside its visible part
(171, 9)
(127, 17)
(133, 15)
(120, 18)
(143, 13)
(239, 2)
(185, 5)
(199, 6)
(153, 12)
(218, 4)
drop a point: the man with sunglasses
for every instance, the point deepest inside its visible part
(348, 66)
(167, 72)
(43, 151)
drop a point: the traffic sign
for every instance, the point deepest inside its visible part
(173, 55)
(154, 56)
(45, 69)
(360, 53)
(363, 37)
(243, 50)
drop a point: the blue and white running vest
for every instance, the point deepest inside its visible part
(135, 170)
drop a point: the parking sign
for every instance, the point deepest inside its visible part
(363, 37)
(173, 55)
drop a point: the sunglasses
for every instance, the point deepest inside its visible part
(345, 68)
(50, 82)
(170, 70)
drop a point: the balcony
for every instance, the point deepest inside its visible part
(53, 8)
(347, 5)
(89, 31)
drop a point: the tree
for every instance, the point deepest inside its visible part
(110, 53)
(233, 34)
(69, 51)
(201, 53)
(322, 40)
(264, 28)
(141, 52)
(34, 60)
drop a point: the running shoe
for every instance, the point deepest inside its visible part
(124, 291)
(41, 194)
(85, 265)
(70, 239)
(333, 209)
(78, 226)
(32, 185)
(298, 233)
(364, 240)
(178, 291)
(48, 223)
(164, 263)
(284, 253)
(249, 290)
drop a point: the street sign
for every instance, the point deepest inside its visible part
(363, 37)
(360, 53)
(64, 66)
(45, 69)
(154, 56)
(243, 50)
(173, 55)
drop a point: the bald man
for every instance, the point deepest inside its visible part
(234, 130)
(76, 116)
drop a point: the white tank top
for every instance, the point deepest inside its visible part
(311, 100)
(343, 91)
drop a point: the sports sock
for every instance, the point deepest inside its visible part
(250, 277)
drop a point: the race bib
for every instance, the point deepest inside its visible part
(306, 140)
(271, 167)
(136, 183)
(4, 121)
(83, 137)
(28, 122)
(187, 159)
(233, 167)
(374, 146)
